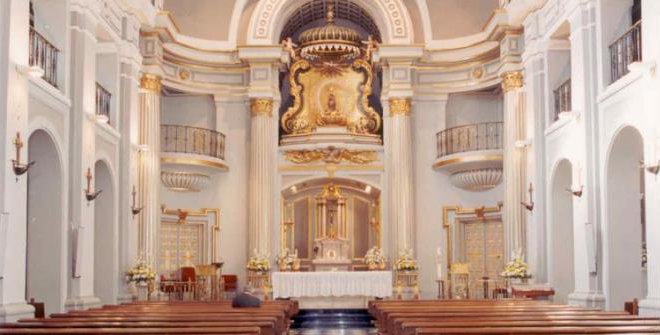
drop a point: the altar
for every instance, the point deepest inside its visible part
(340, 289)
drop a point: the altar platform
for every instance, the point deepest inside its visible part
(333, 289)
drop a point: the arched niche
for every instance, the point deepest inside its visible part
(105, 235)
(45, 266)
(562, 265)
(300, 224)
(270, 17)
(624, 275)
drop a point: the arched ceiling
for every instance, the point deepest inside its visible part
(444, 19)
(314, 12)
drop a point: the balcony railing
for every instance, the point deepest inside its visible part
(473, 137)
(103, 98)
(44, 55)
(625, 51)
(562, 99)
(192, 140)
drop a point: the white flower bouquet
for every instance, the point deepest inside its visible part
(406, 262)
(140, 274)
(374, 258)
(517, 268)
(258, 263)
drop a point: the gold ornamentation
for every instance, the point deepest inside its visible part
(400, 106)
(477, 73)
(512, 80)
(151, 82)
(262, 106)
(331, 155)
(184, 74)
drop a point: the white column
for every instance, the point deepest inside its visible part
(13, 192)
(262, 169)
(514, 163)
(400, 173)
(149, 168)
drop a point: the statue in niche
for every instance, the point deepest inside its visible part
(332, 115)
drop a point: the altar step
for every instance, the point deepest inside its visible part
(333, 319)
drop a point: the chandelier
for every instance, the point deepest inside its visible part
(330, 42)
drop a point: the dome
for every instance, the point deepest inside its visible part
(330, 41)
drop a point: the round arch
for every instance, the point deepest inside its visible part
(624, 278)
(562, 261)
(45, 262)
(270, 16)
(105, 234)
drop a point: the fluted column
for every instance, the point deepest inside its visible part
(149, 168)
(262, 168)
(514, 163)
(400, 173)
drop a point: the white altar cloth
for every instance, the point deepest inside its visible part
(332, 284)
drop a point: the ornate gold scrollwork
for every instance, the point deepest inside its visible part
(292, 122)
(370, 122)
(331, 155)
(512, 80)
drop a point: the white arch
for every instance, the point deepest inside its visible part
(106, 245)
(561, 244)
(270, 16)
(312, 178)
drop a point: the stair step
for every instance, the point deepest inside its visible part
(333, 319)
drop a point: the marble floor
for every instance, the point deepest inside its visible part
(356, 331)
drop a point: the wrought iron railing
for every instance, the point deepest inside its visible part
(192, 140)
(103, 98)
(473, 137)
(44, 55)
(626, 50)
(562, 98)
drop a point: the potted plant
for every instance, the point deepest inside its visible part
(141, 277)
(517, 270)
(258, 264)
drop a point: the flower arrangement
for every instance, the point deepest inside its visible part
(258, 263)
(140, 274)
(517, 268)
(374, 258)
(406, 262)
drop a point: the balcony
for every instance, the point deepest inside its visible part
(103, 98)
(626, 50)
(192, 146)
(44, 55)
(563, 102)
(472, 155)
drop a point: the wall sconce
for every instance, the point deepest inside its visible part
(19, 169)
(577, 193)
(529, 205)
(91, 196)
(650, 168)
(135, 210)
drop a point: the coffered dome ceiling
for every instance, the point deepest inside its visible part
(448, 19)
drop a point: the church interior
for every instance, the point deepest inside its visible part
(329, 167)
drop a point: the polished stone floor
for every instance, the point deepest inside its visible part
(360, 331)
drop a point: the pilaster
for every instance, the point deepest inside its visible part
(82, 153)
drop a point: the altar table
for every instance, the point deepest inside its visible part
(332, 284)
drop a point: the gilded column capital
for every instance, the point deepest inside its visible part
(512, 80)
(400, 106)
(261, 106)
(151, 82)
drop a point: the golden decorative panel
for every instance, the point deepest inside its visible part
(331, 94)
(331, 155)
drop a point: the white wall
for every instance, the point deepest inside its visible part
(464, 109)
(196, 111)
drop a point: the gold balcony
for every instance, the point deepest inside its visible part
(192, 146)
